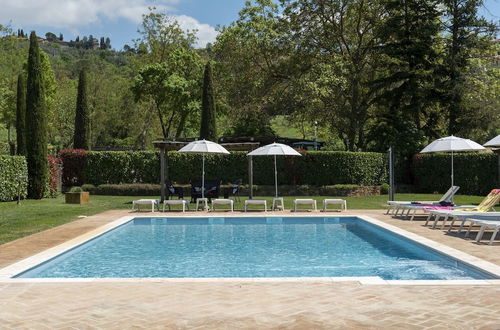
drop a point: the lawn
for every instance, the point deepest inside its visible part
(33, 216)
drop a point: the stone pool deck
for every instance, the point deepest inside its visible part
(247, 305)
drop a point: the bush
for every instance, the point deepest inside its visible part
(13, 169)
(89, 188)
(76, 189)
(128, 190)
(475, 173)
(384, 189)
(54, 174)
(73, 167)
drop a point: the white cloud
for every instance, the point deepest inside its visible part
(206, 33)
(75, 14)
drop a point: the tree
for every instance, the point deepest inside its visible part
(173, 88)
(208, 129)
(341, 39)
(82, 119)
(102, 45)
(466, 36)
(255, 67)
(313, 59)
(21, 115)
(50, 36)
(170, 80)
(408, 81)
(61, 38)
(108, 43)
(36, 124)
(160, 34)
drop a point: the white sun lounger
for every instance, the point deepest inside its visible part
(395, 206)
(147, 202)
(334, 201)
(305, 201)
(485, 224)
(222, 201)
(457, 216)
(170, 202)
(256, 202)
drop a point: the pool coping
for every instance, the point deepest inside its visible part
(7, 273)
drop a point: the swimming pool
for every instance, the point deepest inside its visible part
(253, 247)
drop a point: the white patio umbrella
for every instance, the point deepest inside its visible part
(274, 149)
(452, 144)
(203, 147)
(495, 142)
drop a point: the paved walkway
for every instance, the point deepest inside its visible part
(229, 305)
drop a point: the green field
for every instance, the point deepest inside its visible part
(33, 216)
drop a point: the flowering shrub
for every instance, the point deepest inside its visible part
(54, 175)
(73, 166)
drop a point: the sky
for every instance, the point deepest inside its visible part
(120, 19)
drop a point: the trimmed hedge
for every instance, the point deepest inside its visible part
(143, 189)
(475, 173)
(125, 189)
(313, 168)
(11, 167)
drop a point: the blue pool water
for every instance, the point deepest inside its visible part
(253, 247)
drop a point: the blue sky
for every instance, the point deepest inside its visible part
(119, 19)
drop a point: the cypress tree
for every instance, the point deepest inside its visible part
(21, 115)
(208, 128)
(82, 120)
(36, 124)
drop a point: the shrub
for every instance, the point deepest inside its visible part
(13, 171)
(73, 166)
(384, 188)
(76, 189)
(54, 175)
(128, 190)
(89, 188)
(475, 173)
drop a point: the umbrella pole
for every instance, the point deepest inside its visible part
(203, 178)
(452, 168)
(275, 177)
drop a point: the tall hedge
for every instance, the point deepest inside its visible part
(36, 124)
(475, 173)
(313, 168)
(12, 169)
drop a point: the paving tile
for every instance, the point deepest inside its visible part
(243, 305)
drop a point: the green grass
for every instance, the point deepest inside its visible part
(33, 216)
